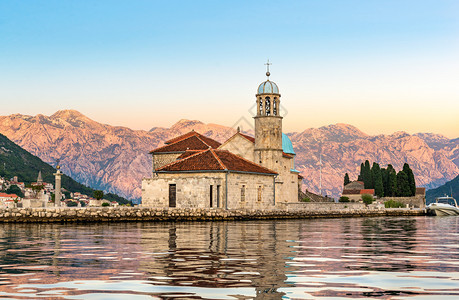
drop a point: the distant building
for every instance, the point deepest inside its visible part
(9, 200)
(355, 189)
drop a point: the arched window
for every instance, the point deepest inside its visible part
(275, 107)
(243, 193)
(268, 106)
(260, 106)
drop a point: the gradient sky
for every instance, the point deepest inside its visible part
(382, 66)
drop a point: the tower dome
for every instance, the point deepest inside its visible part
(268, 87)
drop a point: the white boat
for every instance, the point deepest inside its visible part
(443, 206)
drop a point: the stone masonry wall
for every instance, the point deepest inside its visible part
(162, 159)
(122, 214)
(251, 183)
(418, 201)
(192, 190)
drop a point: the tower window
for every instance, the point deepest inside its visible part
(268, 106)
(260, 106)
(275, 107)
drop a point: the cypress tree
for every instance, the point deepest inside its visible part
(384, 179)
(411, 180)
(362, 171)
(377, 179)
(367, 178)
(346, 179)
(391, 188)
(403, 186)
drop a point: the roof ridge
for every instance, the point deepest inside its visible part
(168, 145)
(249, 161)
(218, 159)
(198, 136)
(183, 159)
(182, 137)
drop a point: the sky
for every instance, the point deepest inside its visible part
(382, 66)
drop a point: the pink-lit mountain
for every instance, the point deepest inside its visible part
(116, 158)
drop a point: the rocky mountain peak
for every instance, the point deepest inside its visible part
(185, 123)
(73, 118)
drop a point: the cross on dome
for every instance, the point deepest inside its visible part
(267, 68)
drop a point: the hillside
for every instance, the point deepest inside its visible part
(446, 189)
(115, 159)
(15, 161)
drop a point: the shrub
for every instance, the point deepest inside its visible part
(344, 199)
(82, 203)
(105, 204)
(393, 204)
(306, 199)
(367, 199)
(72, 204)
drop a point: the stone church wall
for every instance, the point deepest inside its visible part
(250, 191)
(162, 159)
(192, 190)
(240, 146)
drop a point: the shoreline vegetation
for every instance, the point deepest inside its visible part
(139, 214)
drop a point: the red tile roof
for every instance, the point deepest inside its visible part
(205, 139)
(214, 160)
(193, 142)
(188, 153)
(367, 191)
(351, 192)
(5, 195)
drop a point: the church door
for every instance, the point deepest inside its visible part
(172, 195)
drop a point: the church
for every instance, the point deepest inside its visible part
(245, 172)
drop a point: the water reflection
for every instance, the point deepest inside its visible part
(350, 258)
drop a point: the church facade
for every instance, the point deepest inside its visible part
(245, 172)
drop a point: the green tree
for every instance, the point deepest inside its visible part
(367, 178)
(411, 180)
(362, 171)
(367, 199)
(390, 189)
(37, 189)
(72, 204)
(403, 186)
(377, 179)
(346, 179)
(344, 199)
(98, 194)
(105, 204)
(14, 189)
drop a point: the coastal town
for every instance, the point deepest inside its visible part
(15, 193)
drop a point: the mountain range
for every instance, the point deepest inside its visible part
(115, 158)
(15, 161)
(451, 188)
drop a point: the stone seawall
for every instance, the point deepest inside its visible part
(122, 214)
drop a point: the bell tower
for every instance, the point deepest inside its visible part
(268, 125)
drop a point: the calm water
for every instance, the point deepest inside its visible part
(385, 258)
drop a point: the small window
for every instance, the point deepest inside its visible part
(260, 192)
(211, 198)
(243, 193)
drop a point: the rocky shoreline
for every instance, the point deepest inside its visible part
(139, 214)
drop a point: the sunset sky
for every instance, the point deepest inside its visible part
(382, 66)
